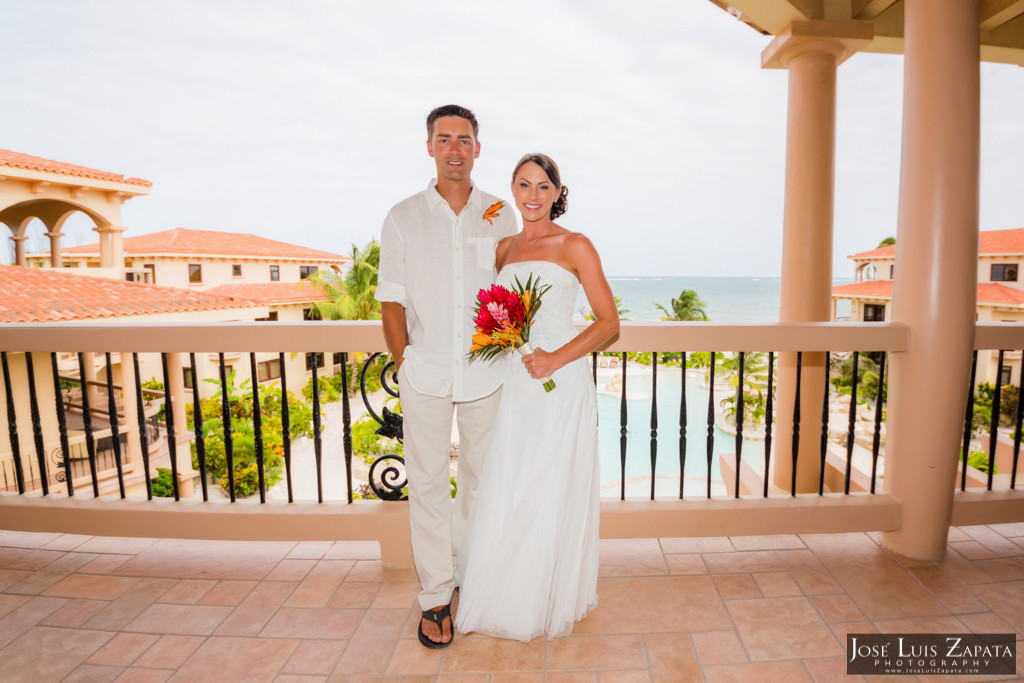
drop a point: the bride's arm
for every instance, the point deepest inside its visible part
(586, 263)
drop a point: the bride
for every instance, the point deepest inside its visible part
(529, 558)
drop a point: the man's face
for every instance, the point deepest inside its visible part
(453, 147)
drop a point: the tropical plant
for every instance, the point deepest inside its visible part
(588, 314)
(352, 296)
(978, 459)
(983, 398)
(867, 378)
(687, 306)
(887, 242)
(162, 485)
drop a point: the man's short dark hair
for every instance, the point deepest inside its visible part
(451, 110)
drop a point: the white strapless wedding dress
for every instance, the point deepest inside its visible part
(529, 558)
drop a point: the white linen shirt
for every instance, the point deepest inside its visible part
(434, 263)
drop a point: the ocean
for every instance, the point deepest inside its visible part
(727, 299)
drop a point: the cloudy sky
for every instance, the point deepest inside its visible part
(303, 121)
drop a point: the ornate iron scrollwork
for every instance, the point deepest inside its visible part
(387, 484)
(57, 458)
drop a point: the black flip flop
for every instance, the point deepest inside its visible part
(437, 617)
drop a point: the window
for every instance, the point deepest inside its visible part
(236, 270)
(195, 273)
(275, 273)
(272, 316)
(189, 381)
(306, 271)
(270, 369)
(1005, 374)
(337, 358)
(874, 313)
(310, 314)
(1004, 272)
(151, 267)
(319, 360)
(892, 271)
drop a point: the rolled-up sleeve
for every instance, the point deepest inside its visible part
(391, 273)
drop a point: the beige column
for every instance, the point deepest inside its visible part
(936, 262)
(125, 376)
(91, 375)
(182, 437)
(111, 247)
(19, 249)
(811, 51)
(55, 260)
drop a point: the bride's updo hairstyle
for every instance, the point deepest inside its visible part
(561, 205)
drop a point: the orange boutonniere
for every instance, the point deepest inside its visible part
(492, 211)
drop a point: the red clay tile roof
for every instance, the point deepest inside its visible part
(988, 292)
(31, 163)
(993, 292)
(989, 242)
(270, 292)
(33, 295)
(183, 241)
(882, 288)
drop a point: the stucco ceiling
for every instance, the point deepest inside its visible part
(1001, 22)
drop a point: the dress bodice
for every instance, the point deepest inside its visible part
(552, 325)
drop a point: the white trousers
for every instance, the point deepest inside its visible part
(437, 523)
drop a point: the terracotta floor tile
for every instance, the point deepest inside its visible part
(719, 647)
(315, 657)
(9, 577)
(962, 569)
(1005, 599)
(310, 550)
(842, 629)
(123, 649)
(49, 654)
(320, 584)
(396, 595)
(930, 625)
(574, 653)
(9, 603)
(355, 595)
(292, 622)
(228, 593)
(122, 611)
(301, 678)
(24, 617)
(1002, 569)
(170, 652)
(737, 586)
(1008, 530)
(782, 628)
(410, 657)
(776, 584)
(759, 672)
(998, 544)
(188, 591)
(686, 564)
(808, 572)
(66, 542)
(92, 673)
(140, 675)
(353, 550)
(182, 620)
(51, 574)
(10, 555)
(696, 545)
(372, 571)
(483, 678)
(986, 622)
(249, 618)
(469, 655)
(951, 593)
(35, 560)
(780, 542)
(574, 677)
(116, 545)
(25, 539)
(291, 570)
(829, 670)
(641, 676)
(631, 557)
(672, 658)
(973, 550)
(835, 608)
(264, 658)
(74, 614)
(104, 564)
(192, 559)
(91, 586)
(371, 646)
(669, 605)
(737, 563)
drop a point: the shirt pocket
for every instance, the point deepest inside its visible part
(484, 248)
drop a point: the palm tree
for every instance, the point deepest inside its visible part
(687, 307)
(351, 297)
(888, 241)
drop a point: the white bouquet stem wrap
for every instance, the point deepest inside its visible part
(525, 349)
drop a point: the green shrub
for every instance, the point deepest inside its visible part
(163, 484)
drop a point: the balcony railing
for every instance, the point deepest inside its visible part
(753, 498)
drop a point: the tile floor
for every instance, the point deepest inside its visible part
(80, 608)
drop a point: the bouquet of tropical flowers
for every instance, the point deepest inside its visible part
(504, 317)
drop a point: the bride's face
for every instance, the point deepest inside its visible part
(534, 192)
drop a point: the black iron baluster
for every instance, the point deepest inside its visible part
(852, 425)
(796, 420)
(197, 425)
(593, 363)
(90, 443)
(654, 418)
(682, 426)
(37, 425)
(769, 414)
(739, 423)
(876, 441)
(622, 431)
(346, 421)
(229, 439)
(62, 423)
(143, 434)
(286, 427)
(1017, 427)
(172, 442)
(993, 433)
(317, 441)
(115, 425)
(824, 426)
(711, 420)
(257, 428)
(12, 424)
(968, 422)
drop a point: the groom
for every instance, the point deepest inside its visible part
(436, 253)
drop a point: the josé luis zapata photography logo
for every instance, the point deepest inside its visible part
(931, 653)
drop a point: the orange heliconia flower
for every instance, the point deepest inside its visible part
(492, 211)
